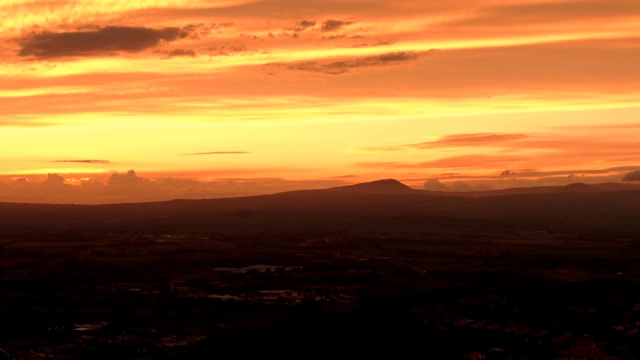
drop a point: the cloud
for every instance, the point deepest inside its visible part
(461, 186)
(184, 184)
(625, 168)
(508, 174)
(631, 176)
(217, 153)
(225, 50)
(341, 67)
(332, 25)
(344, 176)
(530, 156)
(478, 161)
(178, 52)
(197, 31)
(53, 180)
(462, 161)
(434, 185)
(130, 187)
(365, 45)
(532, 173)
(84, 161)
(103, 41)
(457, 140)
(303, 25)
(474, 139)
(122, 180)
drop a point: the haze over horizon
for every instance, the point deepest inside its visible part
(104, 101)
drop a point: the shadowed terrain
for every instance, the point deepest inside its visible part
(533, 273)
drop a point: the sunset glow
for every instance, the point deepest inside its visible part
(206, 99)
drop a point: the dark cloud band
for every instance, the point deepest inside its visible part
(341, 67)
(84, 161)
(332, 25)
(107, 40)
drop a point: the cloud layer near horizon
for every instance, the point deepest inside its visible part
(130, 187)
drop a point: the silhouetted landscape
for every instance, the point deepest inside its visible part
(372, 269)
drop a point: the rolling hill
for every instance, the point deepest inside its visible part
(384, 205)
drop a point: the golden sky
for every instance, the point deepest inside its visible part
(209, 98)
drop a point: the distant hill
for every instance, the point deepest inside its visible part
(385, 186)
(365, 208)
(570, 188)
(578, 188)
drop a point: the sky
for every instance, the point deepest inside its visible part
(139, 100)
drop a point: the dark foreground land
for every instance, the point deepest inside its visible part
(325, 274)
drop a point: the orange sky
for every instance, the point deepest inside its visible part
(235, 97)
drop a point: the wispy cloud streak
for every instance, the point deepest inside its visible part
(217, 153)
(84, 161)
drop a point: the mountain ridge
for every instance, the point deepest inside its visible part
(386, 186)
(382, 186)
(345, 209)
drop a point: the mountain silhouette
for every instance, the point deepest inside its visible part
(383, 205)
(577, 188)
(384, 186)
